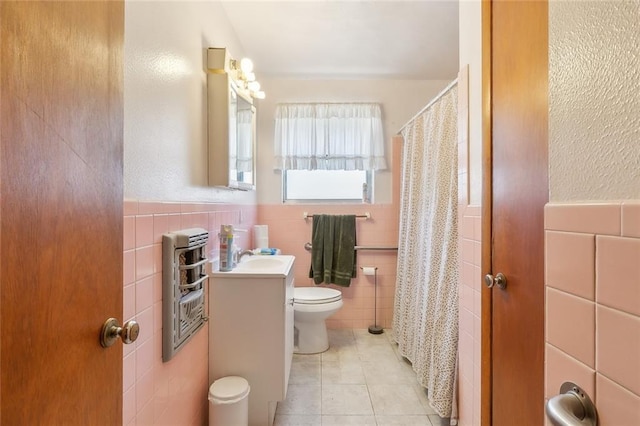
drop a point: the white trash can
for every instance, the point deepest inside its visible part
(229, 402)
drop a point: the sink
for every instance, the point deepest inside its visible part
(258, 262)
(260, 265)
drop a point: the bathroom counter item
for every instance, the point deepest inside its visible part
(267, 251)
(251, 330)
(226, 247)
(261, 235)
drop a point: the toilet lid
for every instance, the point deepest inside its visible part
(315, 295)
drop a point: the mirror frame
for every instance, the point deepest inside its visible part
(221, 85)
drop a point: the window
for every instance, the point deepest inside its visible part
(328, 151)
(322, 185)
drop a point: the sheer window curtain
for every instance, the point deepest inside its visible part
(325, 136)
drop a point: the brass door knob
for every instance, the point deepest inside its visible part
(499, 280)
(111, 330)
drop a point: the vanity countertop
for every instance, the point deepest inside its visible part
(259, 266)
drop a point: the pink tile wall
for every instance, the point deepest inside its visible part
(470, 315)
(289, 232)
(592, 260)
(157, 393)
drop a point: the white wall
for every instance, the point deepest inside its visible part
(165, 149)
(400, 100)
(471, 53)
(165, 128)
(594, 96)
(594, 99)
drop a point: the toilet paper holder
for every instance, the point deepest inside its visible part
(373, 271)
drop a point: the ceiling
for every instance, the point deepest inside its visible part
(347, 39)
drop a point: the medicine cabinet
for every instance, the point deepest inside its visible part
(231, 120)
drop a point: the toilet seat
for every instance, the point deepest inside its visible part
(315, 295)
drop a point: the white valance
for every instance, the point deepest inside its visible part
(329, 137)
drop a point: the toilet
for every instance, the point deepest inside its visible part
(311, 306)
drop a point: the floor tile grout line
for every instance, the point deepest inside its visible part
(350, 339)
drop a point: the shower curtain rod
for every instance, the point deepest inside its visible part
(426, 107)
(328, 103)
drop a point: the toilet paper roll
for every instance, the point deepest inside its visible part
(369, 270)
(261, 236)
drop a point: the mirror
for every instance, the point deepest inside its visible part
(232, 127)
(241, 141)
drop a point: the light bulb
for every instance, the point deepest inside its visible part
(259, 95)
(246, 65)
(254, 86)
(249, 76)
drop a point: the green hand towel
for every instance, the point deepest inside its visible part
(333, 255)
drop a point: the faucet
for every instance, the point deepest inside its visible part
(242, 253)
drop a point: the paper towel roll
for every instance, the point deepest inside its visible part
(261, 236)
(369, 270)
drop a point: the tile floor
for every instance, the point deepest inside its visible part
(361, 380)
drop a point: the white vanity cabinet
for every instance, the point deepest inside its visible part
(251, 331)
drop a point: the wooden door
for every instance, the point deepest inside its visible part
(60, 211)
(520, 190)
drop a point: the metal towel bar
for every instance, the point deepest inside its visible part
(366, 215)
(308, 246)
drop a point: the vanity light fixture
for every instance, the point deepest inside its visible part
(254, 86)
(246, 78)
(246, 65)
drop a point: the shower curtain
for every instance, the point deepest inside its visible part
(425, 320)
